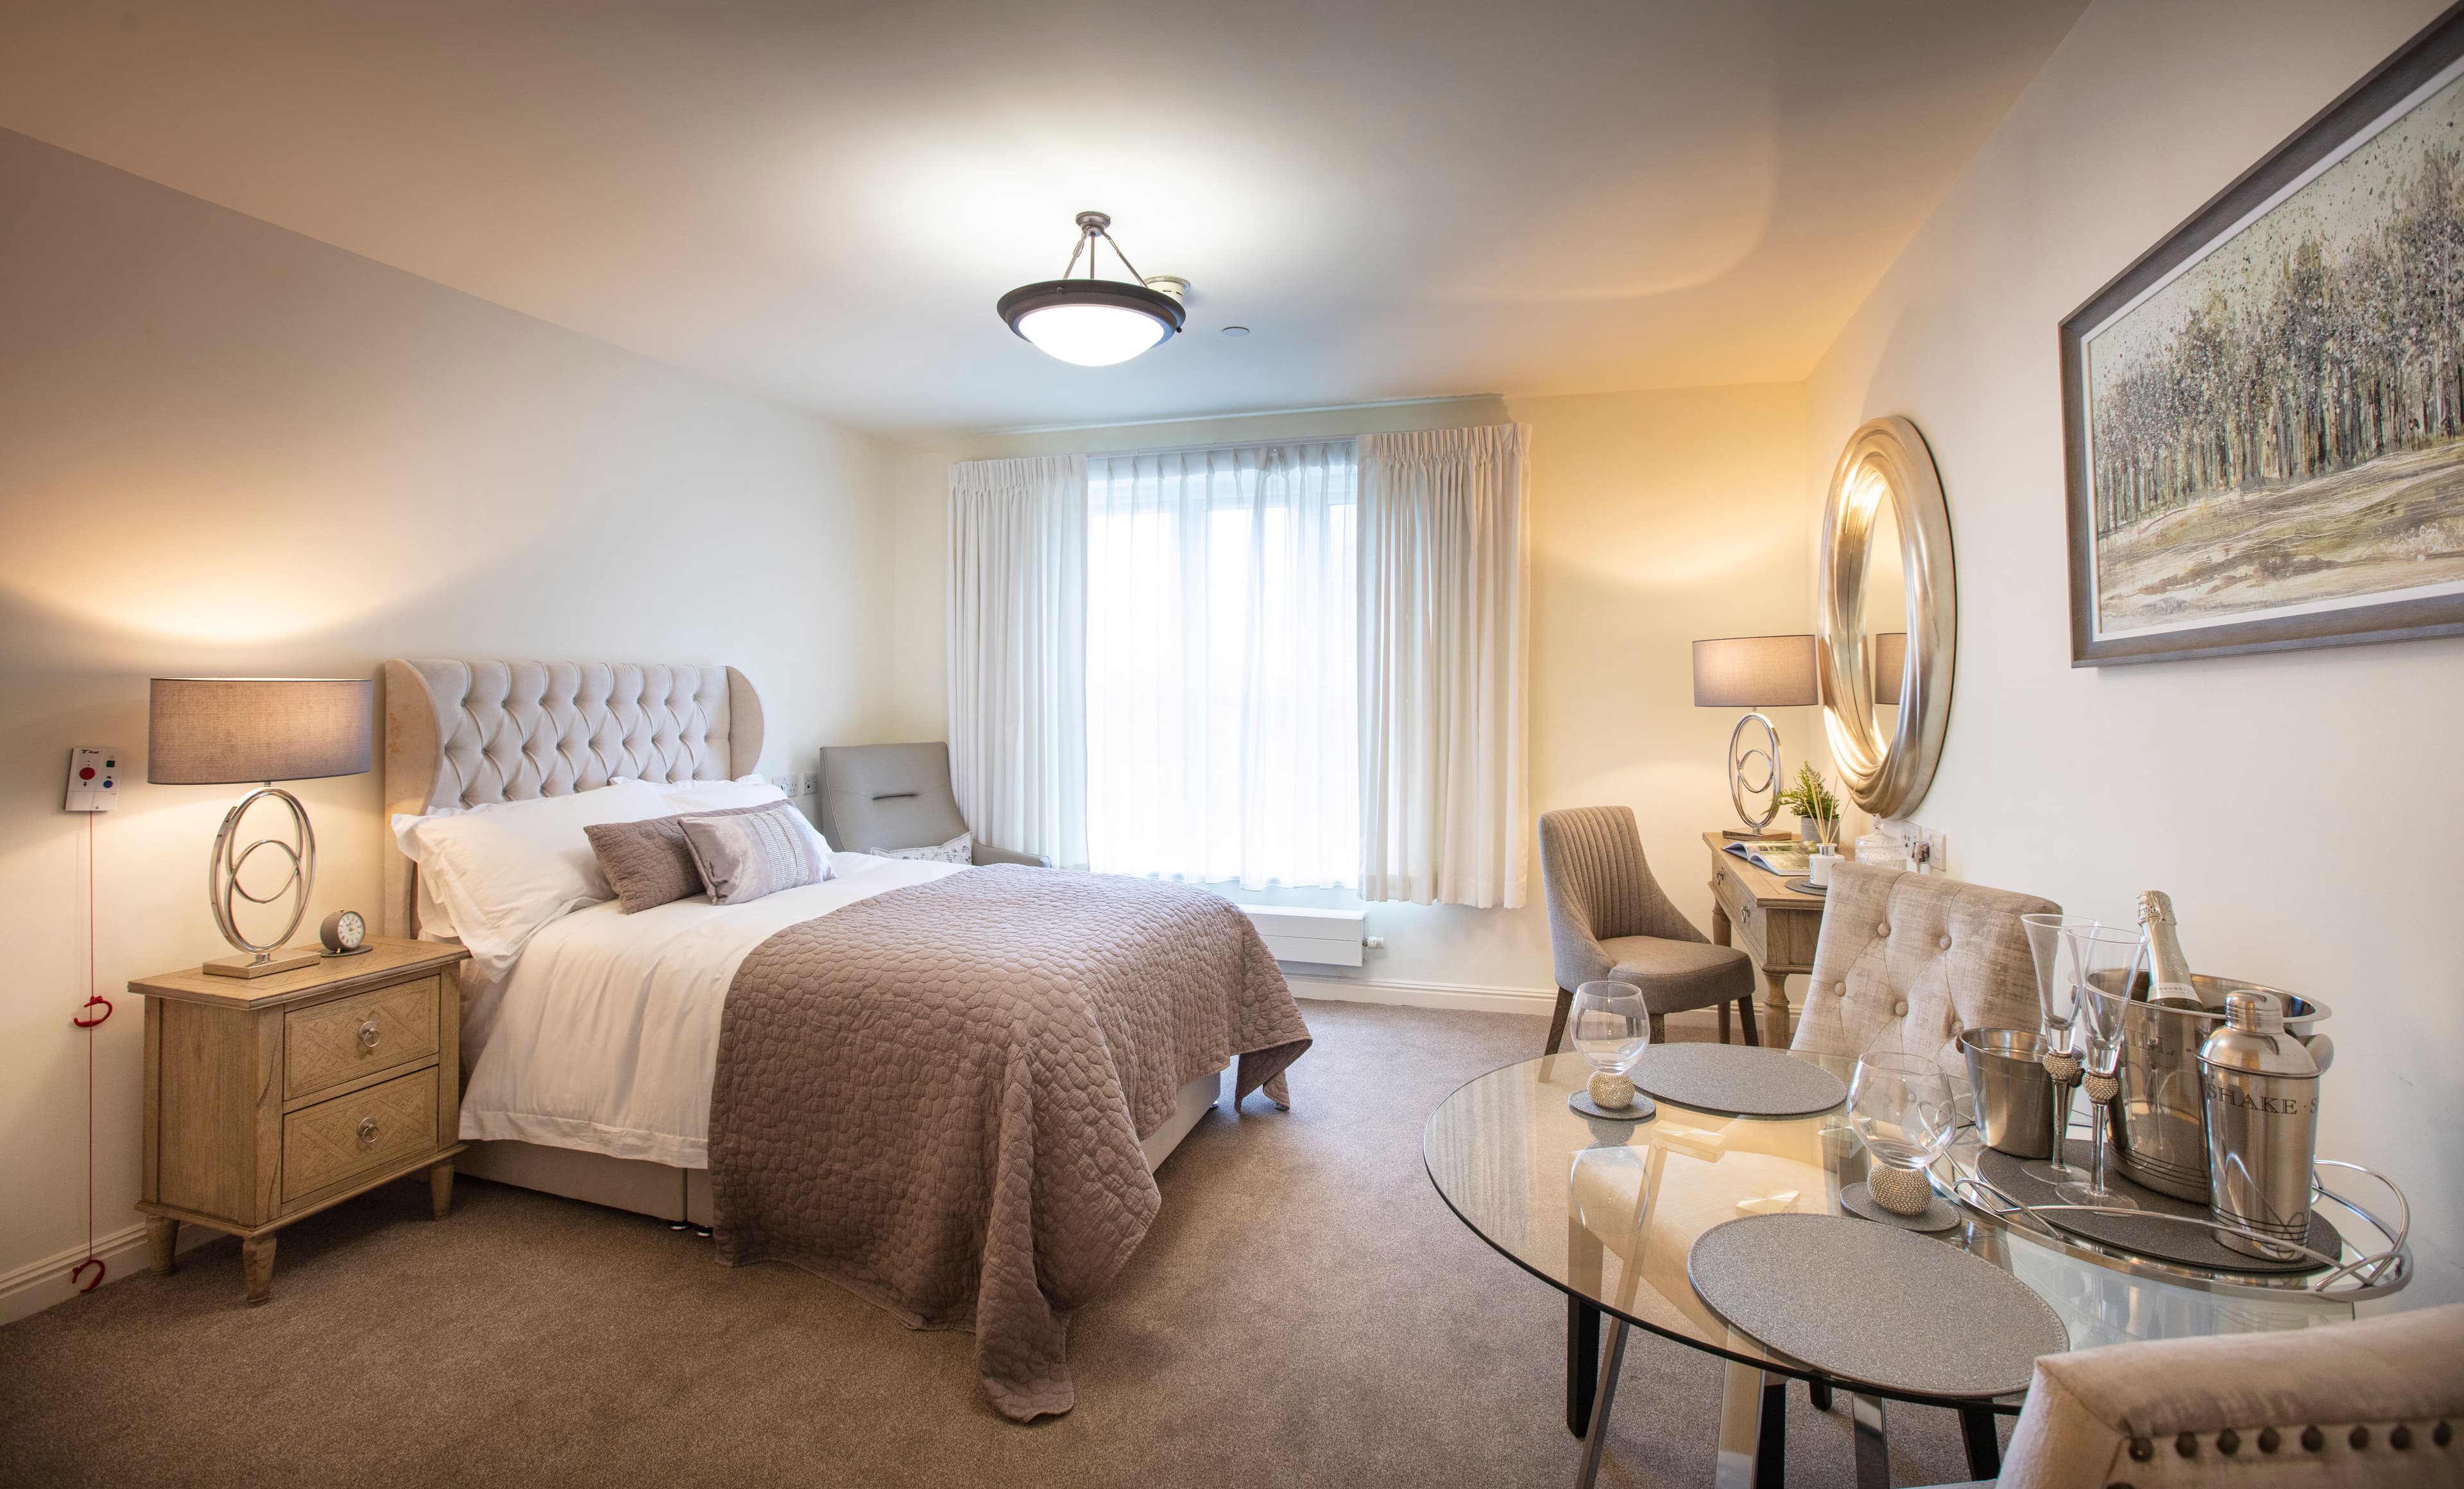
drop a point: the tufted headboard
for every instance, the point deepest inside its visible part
(464, 733)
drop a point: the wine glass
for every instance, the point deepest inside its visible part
(2109, 962)
(1900, 1107)
(1608, 1025)
(2056, 1007)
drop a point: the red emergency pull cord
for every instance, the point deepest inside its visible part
(93, 999)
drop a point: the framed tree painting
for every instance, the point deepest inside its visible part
(2264, 417)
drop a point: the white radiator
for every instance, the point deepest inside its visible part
(1328, 938)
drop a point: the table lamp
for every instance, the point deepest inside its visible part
(1754, 672)
(224, 731)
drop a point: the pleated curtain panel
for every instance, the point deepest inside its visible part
(1445, 642)
(1017, 652)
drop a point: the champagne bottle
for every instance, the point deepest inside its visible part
(2167, 966)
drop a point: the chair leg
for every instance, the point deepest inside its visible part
(1723, 1025)
(1660, 1029)
(1745, 1012)
(1557, 1024)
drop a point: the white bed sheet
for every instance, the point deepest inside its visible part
(605, 1037)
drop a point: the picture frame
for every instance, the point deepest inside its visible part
(2264, 415)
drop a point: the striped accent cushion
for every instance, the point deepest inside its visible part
(743, 856)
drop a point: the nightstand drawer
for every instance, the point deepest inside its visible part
(332, 1043)
(350, 1135)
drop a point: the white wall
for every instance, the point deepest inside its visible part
(225, 449)
(1657, 518)
(2257, 789)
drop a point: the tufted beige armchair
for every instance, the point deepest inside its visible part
(2378, 1402)
(1906, 961)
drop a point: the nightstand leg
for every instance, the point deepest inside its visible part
(440, 1190)
(256, 1263)
(162, 1244)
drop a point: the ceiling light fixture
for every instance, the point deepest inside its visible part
(1096, 323)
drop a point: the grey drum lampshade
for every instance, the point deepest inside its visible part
(1890, 659)
(223, 731)
(1755, 671)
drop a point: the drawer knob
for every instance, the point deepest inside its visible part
(367, 1129)
(368, 1034)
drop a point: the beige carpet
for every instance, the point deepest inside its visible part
(1306, 1312)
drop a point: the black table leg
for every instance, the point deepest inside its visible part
(1770, 1453)
(1582, 1362)
(1983, 1444)
(1820, 1393)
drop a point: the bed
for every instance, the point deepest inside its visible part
(814, 1049)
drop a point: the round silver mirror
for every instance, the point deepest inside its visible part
(1885, 556)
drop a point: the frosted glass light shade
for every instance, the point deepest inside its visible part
(1091, 336)
(1755, 671)
(223, 731)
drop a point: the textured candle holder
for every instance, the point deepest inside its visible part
(1611, 1091)
(1902, 1191)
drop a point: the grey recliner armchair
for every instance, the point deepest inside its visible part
(1610, 922)
(876, 796)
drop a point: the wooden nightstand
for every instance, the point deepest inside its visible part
(271, 1100)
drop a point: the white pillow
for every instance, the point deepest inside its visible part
(502, 871)
(717, 795)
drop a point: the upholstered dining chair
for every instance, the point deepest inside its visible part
(1610, 922)
(877, 796)
(1906, 961)
(2378, 1402)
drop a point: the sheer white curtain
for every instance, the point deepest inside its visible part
(1222, 689)
(1017, 652)
(1445, 634)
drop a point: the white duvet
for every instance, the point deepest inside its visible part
(605, 1036)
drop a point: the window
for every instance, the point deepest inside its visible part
(1222, 671)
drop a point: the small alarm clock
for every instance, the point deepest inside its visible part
(344, 934)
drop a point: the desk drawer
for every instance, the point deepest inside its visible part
(337, 1140)
(332, 1043)
(1746, 917)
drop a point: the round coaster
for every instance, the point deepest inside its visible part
(1643, 1107)
(2191, 1245)
(1875, 1304)
(1737, 1080)
(1805, 886)
(1937, 1216)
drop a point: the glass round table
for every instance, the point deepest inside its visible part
(1606, 1211)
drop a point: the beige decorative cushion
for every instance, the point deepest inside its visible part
(743, 856)
(2378, 1402)
(648, 864)
(960, 848)
(1906, 961)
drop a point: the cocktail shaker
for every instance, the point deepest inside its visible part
(2261, 1090)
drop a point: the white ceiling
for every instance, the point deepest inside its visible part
(1402, 198)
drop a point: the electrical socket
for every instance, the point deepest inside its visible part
(794, 785)
(811, 784)
(94, 778)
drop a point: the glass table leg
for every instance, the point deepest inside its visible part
(1753, 1415)
(1595, 1442)
(1873, 1442)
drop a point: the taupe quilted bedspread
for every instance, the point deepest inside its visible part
(935, 1096)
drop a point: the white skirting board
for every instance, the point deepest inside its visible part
(37, 1285)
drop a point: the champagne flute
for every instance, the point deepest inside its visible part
(2057, 1012)
(2108, 961)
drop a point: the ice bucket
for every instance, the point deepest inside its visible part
(2160, 1120)
(2015, 1097)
